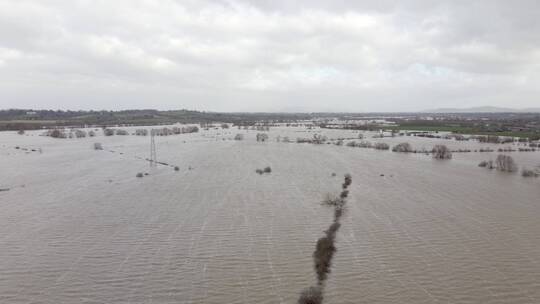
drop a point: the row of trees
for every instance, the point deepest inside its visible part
(502, 163)
(77, 133)
(158, 132)
(175, 130)
(326, 246)
(257, 128)
(69, 133)
(506, 163)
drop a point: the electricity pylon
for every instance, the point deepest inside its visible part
(153, 157)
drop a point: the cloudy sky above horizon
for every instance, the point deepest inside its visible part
(269, 55)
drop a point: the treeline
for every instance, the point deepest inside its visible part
(78, 133)
(26, 119)
(325, 247)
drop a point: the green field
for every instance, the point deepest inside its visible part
(463, 130)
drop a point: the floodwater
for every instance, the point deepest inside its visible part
(77, 226)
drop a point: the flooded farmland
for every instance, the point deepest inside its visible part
(78, 226)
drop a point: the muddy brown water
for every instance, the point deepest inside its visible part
(77, 226)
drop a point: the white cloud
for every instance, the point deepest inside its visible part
(232, 55)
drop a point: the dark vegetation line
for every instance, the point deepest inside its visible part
(326, 247)
(524, 125)
(27, 119)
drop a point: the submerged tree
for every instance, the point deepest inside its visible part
(403, 147)
(108, 132)
(262, 137)
(505, 163)
(441, 152)
(529, 173)
(326, 247)
(381, 146)
(311, 295)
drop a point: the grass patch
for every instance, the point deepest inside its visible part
(460, 130)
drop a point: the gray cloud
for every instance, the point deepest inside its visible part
(269, 55)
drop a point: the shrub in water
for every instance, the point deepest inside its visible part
(80, 133)
(262, 137)
(505, 163)
(108, 132)
(332, 200)
(441, 152)
(141, 132)
(529, 173)
(312, 295)
(381, 146)
(403, 147)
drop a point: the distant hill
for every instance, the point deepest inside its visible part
(486, 109)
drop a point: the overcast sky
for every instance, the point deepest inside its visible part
(269, 55)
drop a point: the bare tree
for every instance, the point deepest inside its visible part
(262, 137)
(318, 139)
(332, 200)
(505, 163)
(239, 136)
(441, 152)
(80, 133)
(108, 132)
(403, 147)
(57, 133)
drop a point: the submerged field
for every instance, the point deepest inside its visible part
(76, 225)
